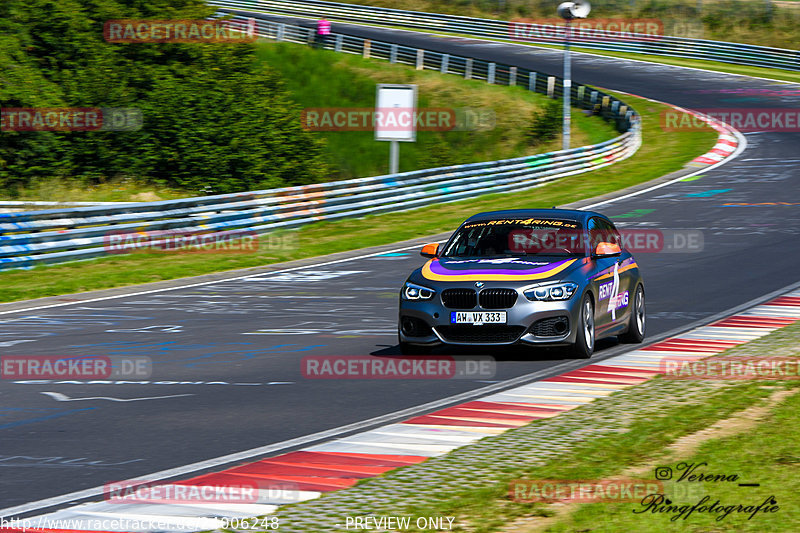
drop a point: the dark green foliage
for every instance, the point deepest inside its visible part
(546, 123)
(213, 118)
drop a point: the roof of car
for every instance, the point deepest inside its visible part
(571, 214)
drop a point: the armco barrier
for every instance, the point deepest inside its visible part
(57, 235)
(740, 54)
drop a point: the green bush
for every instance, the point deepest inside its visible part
(546, 123)
(214, 118)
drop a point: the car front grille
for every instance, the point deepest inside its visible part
(480, 334)
(550, 327)
(459, 298)
(497, 298)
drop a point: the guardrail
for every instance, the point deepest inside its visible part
(58, 235)
(725, 52)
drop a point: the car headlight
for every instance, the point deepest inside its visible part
(551, 292)
(416, 292)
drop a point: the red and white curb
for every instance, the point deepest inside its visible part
(726, 146)
(340, 463)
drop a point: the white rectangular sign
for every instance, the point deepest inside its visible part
(395, 109)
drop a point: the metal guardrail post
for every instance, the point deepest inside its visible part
(581, 93)
(445, 63)
(279, 33)
(512, 76)
(532, 81)
(468, 69)
(365, 53)
(490, 75)
(393, 54)
(420, 59)
(551, 86)
(338, 46)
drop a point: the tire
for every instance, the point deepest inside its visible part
(638, 322)
(585, 336)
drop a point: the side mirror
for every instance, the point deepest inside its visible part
(430, 250)
(607, 249)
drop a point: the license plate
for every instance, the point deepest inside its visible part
(477, 318)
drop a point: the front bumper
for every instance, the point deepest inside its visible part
(427, 322)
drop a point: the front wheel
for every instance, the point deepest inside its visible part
(637, 323)
(584, 337)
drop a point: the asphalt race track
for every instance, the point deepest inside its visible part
(239, 344)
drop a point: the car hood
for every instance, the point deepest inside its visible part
(502, 269)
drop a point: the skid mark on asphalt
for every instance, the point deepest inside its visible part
(64, 398)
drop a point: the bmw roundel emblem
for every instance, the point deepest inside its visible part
(479, 284)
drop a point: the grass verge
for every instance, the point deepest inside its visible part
(661, 153)
(326, 79)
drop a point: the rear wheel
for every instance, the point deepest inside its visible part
(637, 323)
(584, 337)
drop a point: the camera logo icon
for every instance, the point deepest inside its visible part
(663, 473)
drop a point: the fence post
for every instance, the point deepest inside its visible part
(532, 82)
(551, 86)
(512, 76)
(393, 54)
(581, 93)
(468, 69)
(279, 33)
(594, 98)
(366, 49)
(445, 63)
(420, 59)
(338, 46)
(490, 76)
(311, 36)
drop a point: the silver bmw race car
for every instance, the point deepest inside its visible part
(528, 277)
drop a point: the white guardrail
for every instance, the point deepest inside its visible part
(29, 238)
(682, 47)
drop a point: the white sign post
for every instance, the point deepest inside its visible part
(395, 109)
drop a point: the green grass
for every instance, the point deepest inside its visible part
(60, 190)
(661, 153)
(326, 79)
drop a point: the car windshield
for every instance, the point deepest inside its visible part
(517, 237)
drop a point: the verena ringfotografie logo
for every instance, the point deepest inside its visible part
(184, 241)
(397, 119)
(178, 31)
(75, 367)
(732, 368)
(742, 119)
(70, 119)
(590, 30)
(429, 367)
(159, 492)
